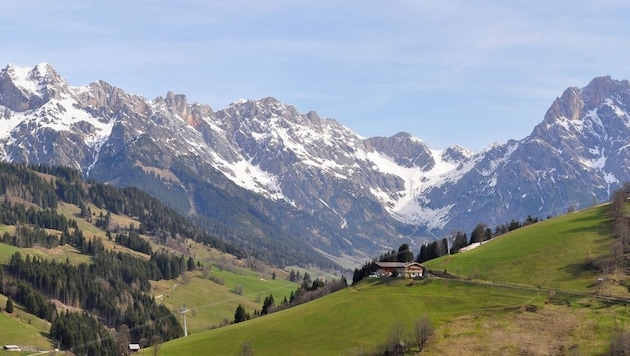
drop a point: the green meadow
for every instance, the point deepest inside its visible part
(470, 316)
(22, 328)
(6, 251)
(211, 303)
(552, 253)
(360, 319)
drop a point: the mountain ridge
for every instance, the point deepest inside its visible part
(309, 178)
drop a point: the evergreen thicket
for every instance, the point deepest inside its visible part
(106, 300)
(111, 291)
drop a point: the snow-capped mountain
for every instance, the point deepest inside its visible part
(289, 176)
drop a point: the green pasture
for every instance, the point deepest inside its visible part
(211, 303)
(22, 329)
(551, 253)
(6, 251)
(355, 319)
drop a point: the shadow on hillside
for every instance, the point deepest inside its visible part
(583, 269)
(603, 228)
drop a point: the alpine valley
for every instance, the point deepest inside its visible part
(300, 189)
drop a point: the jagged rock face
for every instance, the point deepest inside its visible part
(310, 177)
(574, 158)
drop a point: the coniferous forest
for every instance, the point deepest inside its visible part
(106, 300)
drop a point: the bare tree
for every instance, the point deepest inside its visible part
(396, 337)
(186, 278)
(618, 203)
(143, 343)
(479, 233)
(123, 337)
(424, 330)
(156, 342)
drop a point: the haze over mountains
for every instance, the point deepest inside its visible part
(260, 173)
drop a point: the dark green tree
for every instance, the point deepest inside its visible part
(9, 306)
(240, 314)
(404, 254)
(479, 233)
(460, 241)
(268, 303)
(307, 278)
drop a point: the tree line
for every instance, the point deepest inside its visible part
(621, 230)
(309, 290)
(434, 249)
(45, 186)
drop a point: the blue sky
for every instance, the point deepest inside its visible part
(449, 72)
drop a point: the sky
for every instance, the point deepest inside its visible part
(450, 72)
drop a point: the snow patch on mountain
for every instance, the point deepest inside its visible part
(404, 205)
(250, 176)
(21, 77)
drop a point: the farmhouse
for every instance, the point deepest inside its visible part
(401, 269)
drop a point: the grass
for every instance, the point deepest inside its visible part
(470, 318)
(358, 320)
(22, 328)
(6, 251)
(551, 253)
(212, 303)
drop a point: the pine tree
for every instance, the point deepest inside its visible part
(460, 241)
(9, 306)
(404, 254)
(240, 314)
(268, 303)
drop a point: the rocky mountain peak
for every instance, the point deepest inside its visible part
(568, 106)
(456, 154)
(405, 149)
(602, 88)
(45, 74)
(28, 88)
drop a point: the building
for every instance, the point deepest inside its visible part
(134, 348)
(401, 269)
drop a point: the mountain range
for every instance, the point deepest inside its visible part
(297, 188)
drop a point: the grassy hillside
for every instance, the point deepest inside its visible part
(212, 304)
(359, 320)
(22, 328)
(470, 316)
(554, 253)
(242, 281)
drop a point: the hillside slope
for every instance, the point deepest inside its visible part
(556, 253)
(546, 301)
(68, 246)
